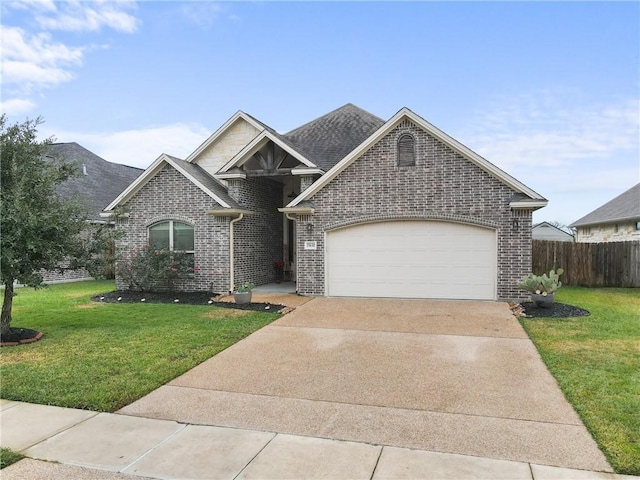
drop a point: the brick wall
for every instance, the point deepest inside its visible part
(170, 196)
(258, 237)
(442, 185)
(56, 276)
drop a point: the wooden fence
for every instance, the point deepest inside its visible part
(615, 264)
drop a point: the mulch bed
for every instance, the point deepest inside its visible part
(187, 298)
(20, 336)
(557, 310)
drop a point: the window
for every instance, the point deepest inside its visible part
(406, 151)
(637, 225)
(172, 235)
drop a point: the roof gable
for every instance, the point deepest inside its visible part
(531, 198)
(193, 173)
(99, 181)
(625, 206)
(546, 226)
(226, 142)
(260, 141)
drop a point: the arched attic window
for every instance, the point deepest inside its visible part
(406, 150)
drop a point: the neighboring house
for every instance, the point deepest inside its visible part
(616, 221)
(354, 205)
(547, 231)
(98, 183)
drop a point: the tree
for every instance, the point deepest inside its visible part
(37, 228)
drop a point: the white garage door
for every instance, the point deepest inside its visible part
(412, 259)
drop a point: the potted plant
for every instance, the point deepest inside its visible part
(278, 265)
(542, 287)
(242, 294)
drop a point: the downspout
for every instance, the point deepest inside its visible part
(231, 253)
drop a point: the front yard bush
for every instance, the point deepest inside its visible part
(150, 268)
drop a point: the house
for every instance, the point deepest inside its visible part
(548, 231)
(352, 204)
(616, 221)
(97, 184)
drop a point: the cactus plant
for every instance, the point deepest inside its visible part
(544, 284)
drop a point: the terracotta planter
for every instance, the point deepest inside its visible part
(543, 301)
(244, 297)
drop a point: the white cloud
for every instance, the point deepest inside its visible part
(16, 107)
(138, 148)
(74, 15)
(578, 154)
(31, 62)
(544, 130)
(205, 14)
(35, 60)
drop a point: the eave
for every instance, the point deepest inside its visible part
(528, 204)
(633, 218)
(228, 212)
(297, 210)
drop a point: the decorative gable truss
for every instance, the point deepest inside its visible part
(268, 154)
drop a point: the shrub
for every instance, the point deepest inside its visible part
(152, 268)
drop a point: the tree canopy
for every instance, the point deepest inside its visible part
(37, 228)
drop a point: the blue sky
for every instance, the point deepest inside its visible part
(548, 91)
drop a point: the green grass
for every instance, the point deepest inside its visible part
(101, 356)
(7, 457)
(596, 361)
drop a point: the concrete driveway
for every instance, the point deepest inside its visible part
(447, 376)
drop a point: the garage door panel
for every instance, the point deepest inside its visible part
(412, 259)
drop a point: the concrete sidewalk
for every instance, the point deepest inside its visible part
(91, 445)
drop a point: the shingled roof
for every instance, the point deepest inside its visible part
(625, 206)
(99, 181)
(206, 180)
(328, 139)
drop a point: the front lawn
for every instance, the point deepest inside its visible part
(596, 361)
(103, 356)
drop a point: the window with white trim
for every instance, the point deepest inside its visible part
(172, 235)
(406, 150)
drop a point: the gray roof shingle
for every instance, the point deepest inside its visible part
(328, 139)
(103, 181)
(625, 206)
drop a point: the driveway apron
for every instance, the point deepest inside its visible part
(448, 376)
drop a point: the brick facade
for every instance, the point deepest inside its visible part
(170, 196)
(443, 185)
(258, 237)
(56, 276)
